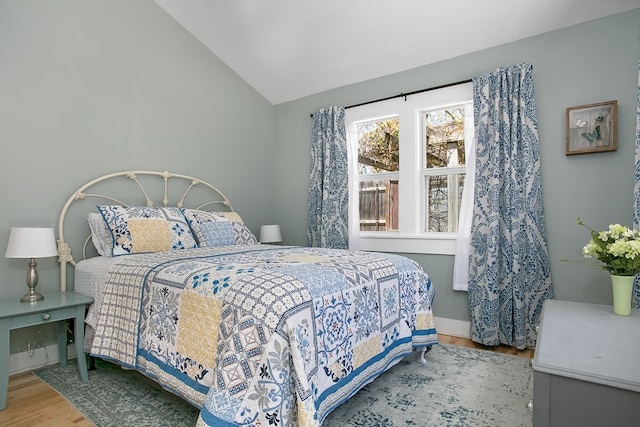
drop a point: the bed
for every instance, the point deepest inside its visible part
(251, 334)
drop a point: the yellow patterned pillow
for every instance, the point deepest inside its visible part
(149, 235)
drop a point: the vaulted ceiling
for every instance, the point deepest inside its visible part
(289, 49)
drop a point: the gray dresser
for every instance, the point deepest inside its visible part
(586, 367)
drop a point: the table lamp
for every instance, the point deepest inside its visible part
(31, 243)
(270, 234)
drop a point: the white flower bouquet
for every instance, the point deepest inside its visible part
(618, 249)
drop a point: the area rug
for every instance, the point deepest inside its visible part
(457, 387)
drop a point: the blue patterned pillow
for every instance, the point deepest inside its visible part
(218, 233)
(144, 229)
(218, 228)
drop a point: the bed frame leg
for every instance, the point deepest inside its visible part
(420, 358)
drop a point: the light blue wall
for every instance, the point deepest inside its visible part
(88, 88)
(92, 87)
(588, 63)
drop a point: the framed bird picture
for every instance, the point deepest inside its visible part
(592, 128)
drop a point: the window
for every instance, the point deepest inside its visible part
(411, 169)
(443, 167)
(378, 172)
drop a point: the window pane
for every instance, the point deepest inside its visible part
(379, 205)
(379, 153)
(444, 195)
(444, 138)
(378, 146)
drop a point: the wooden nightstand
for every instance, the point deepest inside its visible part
(54, 308)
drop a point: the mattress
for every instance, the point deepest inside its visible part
(89, 275)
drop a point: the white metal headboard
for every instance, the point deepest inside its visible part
(65, 255)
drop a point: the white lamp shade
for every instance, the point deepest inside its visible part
(31, 242)
(270, 234)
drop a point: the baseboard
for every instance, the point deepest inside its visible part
(453, 327)
(37, 358)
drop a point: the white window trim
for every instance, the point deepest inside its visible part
(426, 243)
(409, 238)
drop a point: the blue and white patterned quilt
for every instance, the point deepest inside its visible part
(261, 335)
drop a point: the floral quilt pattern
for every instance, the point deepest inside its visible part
(263, 335)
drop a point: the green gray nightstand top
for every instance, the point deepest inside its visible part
(589, 343)
(11, 307)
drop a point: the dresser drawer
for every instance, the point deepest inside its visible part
(41, 317)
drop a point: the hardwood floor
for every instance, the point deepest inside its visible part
(33, 403)
(464, 342)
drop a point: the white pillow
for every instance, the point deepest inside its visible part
(100, 234)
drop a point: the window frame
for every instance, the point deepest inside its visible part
(411, 216)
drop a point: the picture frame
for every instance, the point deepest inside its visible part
(592, 128)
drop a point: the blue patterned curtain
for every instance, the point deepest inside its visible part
(327, 221)
(636, 191)
(509, 270)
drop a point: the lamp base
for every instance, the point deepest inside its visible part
(32, 281)
(31, 296)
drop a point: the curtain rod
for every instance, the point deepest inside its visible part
(409, 93)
